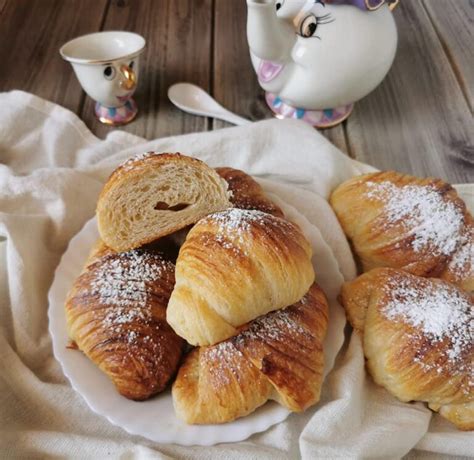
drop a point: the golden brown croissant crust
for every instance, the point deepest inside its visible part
(400, 221)
(277, 356)
(247, 193)
(418, 337)
(462, 415)
(460, 267)
(116, 314)
(234, 266)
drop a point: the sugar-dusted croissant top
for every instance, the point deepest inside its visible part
(418, 336)
(441, 314)
(236, 265)
(276, 356)
(432, 220)
(116, 314)
(400, 221)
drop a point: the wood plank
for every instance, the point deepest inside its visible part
(3, 4)
(417, 121)
(178, 34)
(31, 33)
(454, 24)
(235, 84)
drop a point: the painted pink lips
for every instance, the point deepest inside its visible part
(268, 70)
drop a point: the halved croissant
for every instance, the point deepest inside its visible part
(277, 356)
(418, 338)
(116, 314)
(154, 195)
(233, 267)
(400, 221)
(247, 193)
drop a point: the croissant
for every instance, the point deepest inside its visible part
(99, 250)
(116, 314)
(153, 195)
(246, 192)
(461, 415)
(234, 266)
(278, 356)
(400, 221)
(418, 338)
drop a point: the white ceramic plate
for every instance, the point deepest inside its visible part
(155, 419)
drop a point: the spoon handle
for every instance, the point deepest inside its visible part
(232, 118)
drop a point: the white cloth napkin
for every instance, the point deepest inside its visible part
(52, 169)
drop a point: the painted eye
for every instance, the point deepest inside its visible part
(279, 4)
(109, 73)
(132, 64)
(308, 26)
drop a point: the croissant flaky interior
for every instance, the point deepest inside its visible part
(418, 338)
(400, 221)
(116, 314)
(234, 266)
(277, 356)
(155, 194)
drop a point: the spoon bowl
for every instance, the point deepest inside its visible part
(193, 99)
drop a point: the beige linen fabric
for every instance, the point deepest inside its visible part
(52, 169)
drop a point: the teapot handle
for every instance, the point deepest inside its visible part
(393, 5)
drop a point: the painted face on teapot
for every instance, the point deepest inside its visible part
(317, 54)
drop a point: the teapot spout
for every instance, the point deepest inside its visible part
(270, 38)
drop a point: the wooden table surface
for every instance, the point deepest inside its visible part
(419, 120)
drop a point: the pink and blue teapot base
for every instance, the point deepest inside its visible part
(318, 118)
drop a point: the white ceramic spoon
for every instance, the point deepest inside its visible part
(195, 100)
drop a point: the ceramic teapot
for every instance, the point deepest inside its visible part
(315, 58)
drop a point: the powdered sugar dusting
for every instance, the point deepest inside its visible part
(130, 163)
(277, 326)
(237, 220)
(462, 262)
(121, 282)
(222, 358)
(121, 279)
(435, 224)
(235, 225)
(439, 313)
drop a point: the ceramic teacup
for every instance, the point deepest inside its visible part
(106, 65)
